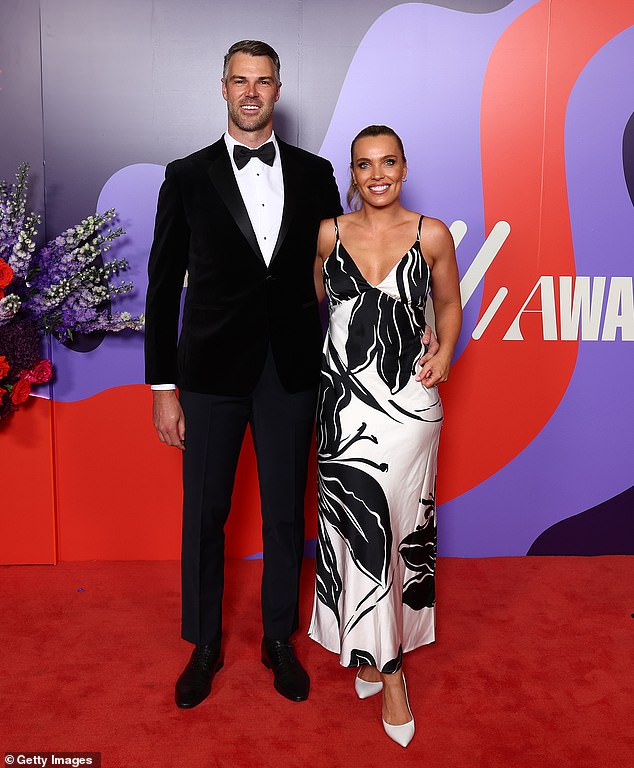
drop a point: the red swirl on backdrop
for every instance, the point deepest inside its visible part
(502, 393)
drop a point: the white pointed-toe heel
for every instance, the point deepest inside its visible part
(366, 688)
(401, 734)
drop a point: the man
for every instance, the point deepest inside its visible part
(241, 218)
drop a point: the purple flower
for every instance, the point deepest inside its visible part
(61, 289)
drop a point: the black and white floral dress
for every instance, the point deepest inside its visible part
(377, 434)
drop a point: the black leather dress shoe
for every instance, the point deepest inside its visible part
(291, 679)
(194, 684)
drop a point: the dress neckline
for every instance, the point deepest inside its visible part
(392, 268)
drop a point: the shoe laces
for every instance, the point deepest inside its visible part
(200, 658)
(281, 653)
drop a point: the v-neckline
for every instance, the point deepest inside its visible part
(392, 268)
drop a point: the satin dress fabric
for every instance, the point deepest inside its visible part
(377, 432)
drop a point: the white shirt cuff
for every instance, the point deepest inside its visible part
(161, 387)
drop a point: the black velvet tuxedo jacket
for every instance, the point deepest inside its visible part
(235, 306)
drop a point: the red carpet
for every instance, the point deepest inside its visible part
(532, 667)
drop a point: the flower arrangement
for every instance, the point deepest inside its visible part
(59, 290)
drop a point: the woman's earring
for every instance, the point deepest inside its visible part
(404, 178)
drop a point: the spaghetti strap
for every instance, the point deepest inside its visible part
(420, 224)
(336, 227)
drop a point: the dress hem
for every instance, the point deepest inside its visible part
(353, 666)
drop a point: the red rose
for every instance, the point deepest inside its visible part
(4, 366)
(6, 274)
(40, 373)
(21, 390)
(3, 392)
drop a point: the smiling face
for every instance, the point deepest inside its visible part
(250, 89)
(378, 169)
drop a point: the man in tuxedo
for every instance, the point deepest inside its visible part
(240, 217)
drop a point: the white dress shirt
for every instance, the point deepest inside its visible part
(262, 190)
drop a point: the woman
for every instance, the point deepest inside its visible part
(379, 419)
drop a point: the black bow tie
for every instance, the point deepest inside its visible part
(242, 155)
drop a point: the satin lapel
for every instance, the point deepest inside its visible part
(221, 174)
(292, 191)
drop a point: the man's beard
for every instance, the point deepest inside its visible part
(245, 123)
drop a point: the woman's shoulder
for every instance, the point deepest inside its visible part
(326, 238)
(327, 225)
(433, 230)
(332, 224)
(346, 220)
(352, 216)
(435, 238)
(433, 224)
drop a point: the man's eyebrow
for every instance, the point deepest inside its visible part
(244, 77)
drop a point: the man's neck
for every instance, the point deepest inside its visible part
(251, 139)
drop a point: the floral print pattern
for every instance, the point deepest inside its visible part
(377, 437)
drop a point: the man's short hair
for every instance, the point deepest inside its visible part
(252, 48)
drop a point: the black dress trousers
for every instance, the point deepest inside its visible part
(281, 424)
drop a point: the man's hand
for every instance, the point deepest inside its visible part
(434, 371)
(435, 368)
(169, 419)
(431, 342)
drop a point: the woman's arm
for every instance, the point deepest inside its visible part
(325, 245)
(438, 247)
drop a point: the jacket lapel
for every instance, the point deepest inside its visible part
(292, 191)
(222, 177)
